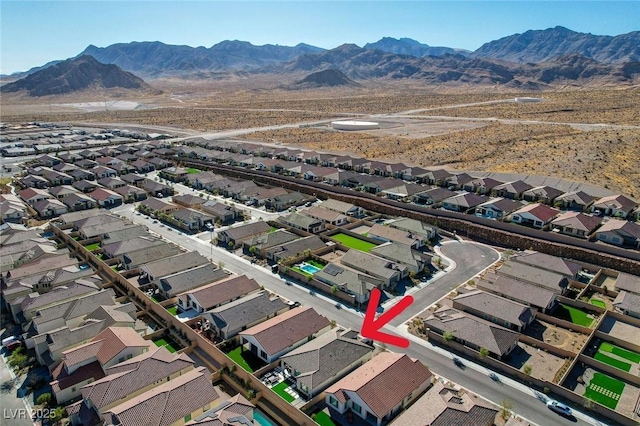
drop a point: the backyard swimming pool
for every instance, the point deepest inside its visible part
(309, 269)
(261, 418)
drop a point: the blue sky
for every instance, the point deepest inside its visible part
(33, 33)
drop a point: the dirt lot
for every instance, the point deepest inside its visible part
(544, 365)
(602, 155)
(556, 336)
(621, 330)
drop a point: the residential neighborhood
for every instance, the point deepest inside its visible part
(150, 288)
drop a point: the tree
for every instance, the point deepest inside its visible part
(527, 369)
(484, 352)
(44, 399)
(252, 250)
(56, 415)
(221, 264)
(448, 336)
(334, 289)
(505, 408)
(333, 323)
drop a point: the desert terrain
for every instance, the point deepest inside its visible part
(584, 135)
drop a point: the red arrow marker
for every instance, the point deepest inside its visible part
(371, 326)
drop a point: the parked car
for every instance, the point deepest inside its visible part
(458, 362)
(559, 407)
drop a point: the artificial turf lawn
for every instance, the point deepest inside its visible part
(622, 353)
(246, 359)
(280, 390)
(191, 170)
(354, 243)
(574, 315)
(608, 383)
(173, 310)
(163, 342)
(600, 356)
(324, 419)
(598, 302)
(93, 246)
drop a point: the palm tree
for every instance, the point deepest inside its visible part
(448, 336)
(505, 408)
(484, 352)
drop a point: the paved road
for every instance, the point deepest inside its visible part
(469, 258)
(14, 410)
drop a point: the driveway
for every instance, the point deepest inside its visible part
(14, 410)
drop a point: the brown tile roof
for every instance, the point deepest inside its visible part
(540, 211)
(547, 262)
(223, 291)
(445, 406)
(483, 334)
(286, 329)
(63, 380)
(576, 220)
(106, 345)
(168, 402)
(130, 376)
(495, 306)
(383, 382)
(514, 289)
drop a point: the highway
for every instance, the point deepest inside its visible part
(469, 259)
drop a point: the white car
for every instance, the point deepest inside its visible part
(559, 407)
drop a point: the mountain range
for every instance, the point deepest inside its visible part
(532, 60)
(72, 75)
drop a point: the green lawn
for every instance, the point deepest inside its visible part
(315, 263)
(280, 390)
(173, 310)
(597, 302)
(324, 419)
(622, 353)
(162, 342)
(354, 243)
(574, 315)
(93, 246)
(600, 356)
(155, 299)
(191, 170)
(605, 390)
(246, 359)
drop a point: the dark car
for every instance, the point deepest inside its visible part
(458, 362)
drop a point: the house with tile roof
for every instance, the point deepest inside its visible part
(535, 215)
(111, 182)
(217, 294)
(175, 284)
(389, 272)
(188, 200)
(435, 177)
(620, 233)
(463, 202)
(541, 277)
(576, 201)
(327, 216)
(12, 209)
(294, 248)
(174, 402)
(111, 346)
(512, 190)
(49, 208)
(134, 259)
(414, 260)
(414, 226)
(130, 378)
(223, 213)
(131, 194)
(615, 205)
(105, 197)
(277, 336)
(627, 303)
(153, 271)
(542, 194)
(235, 235)
(499, 310)
(229, 319)
(191, 220)
(446, 405)
(258, 245)
(119, 249)
(481, 185)
(433, 197)
(548, 262)
(520, 291)
(497, 208)
(303, 222)
(457, 181)
(472, 331)
(236, 410)
(346, 209)
(627, 282)
(78, 202)
(388, 233)
(379, 389)
(33, 195)
(352, 282)
(321, 362)
(84, 185)
(576, 224)
(103, 172)
(153, 205)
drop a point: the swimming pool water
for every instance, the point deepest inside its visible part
(262, 419)
(309, 269)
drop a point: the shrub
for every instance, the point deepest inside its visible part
(44, 399)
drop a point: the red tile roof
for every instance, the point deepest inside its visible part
(383, 382)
